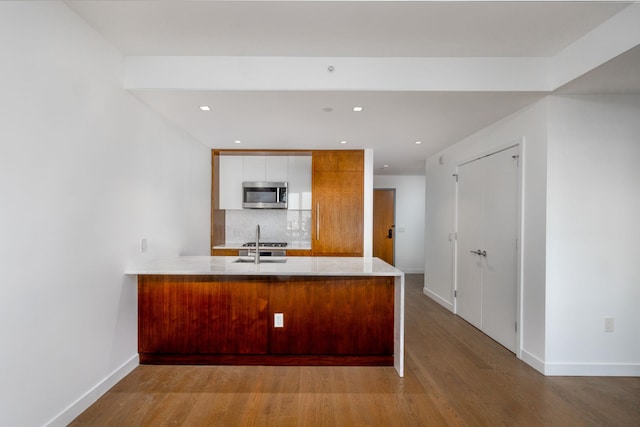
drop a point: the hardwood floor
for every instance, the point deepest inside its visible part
(454, 375)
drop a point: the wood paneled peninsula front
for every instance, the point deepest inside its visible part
(305, 311)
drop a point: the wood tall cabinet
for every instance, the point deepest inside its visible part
(338, 203)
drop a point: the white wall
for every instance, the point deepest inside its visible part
(529, 127)
(409, 250)
(593, 235)
(580, 230)
(86, 170)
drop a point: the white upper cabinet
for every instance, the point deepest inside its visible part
(299, 192)
(266, 168)
(277, 168)
(255, 168)
(295, 170)
(231, 182)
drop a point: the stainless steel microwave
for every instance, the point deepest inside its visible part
(264, 195)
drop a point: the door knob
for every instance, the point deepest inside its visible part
(479, 252)
(390, 233)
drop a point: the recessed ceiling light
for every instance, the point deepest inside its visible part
(343, 142)
(327, 109)
(385, 166)
(205, 108)
(358, 109)
(237, 141)
(418, 142)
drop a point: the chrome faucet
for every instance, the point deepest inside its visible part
(257, 258)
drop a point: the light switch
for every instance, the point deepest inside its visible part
(278, 320)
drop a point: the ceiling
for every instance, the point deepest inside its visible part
(392, 120)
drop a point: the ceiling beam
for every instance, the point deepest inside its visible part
(487, 74)
(613, 37)
(336, 74)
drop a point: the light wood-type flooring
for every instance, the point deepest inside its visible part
(454, 375)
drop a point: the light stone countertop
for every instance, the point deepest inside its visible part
(294, 266)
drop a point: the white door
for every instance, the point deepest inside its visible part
(488, 191)
(469, 277)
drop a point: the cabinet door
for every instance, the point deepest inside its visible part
(198, 315)
(230, 185)
(337, 316)
(224, 252)
(299, 252)
(338, 160)
(254, 168)
(277, 168)
(265, 168)
(299, 192)
(338, 204)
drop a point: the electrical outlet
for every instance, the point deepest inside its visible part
(608, 324)
(278, 320)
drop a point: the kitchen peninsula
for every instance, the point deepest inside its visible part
(299, 311)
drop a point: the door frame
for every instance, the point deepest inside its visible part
(395, 219)
(520, 143)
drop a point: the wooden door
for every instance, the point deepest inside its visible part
(384, 224)
(486, 282)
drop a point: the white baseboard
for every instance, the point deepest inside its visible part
(79, 406)
(581, 369)
(437, 298)
(532, 361)
(592, 369)
(411, 270)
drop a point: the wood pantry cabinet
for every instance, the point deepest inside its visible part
(230, 320)
(338, 203)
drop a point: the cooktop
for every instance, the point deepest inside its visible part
(267, 244)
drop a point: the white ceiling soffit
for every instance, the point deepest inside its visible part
(434, 72)
(343, 28)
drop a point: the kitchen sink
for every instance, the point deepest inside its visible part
(266, 260)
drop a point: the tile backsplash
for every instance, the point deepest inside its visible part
(276, 225)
